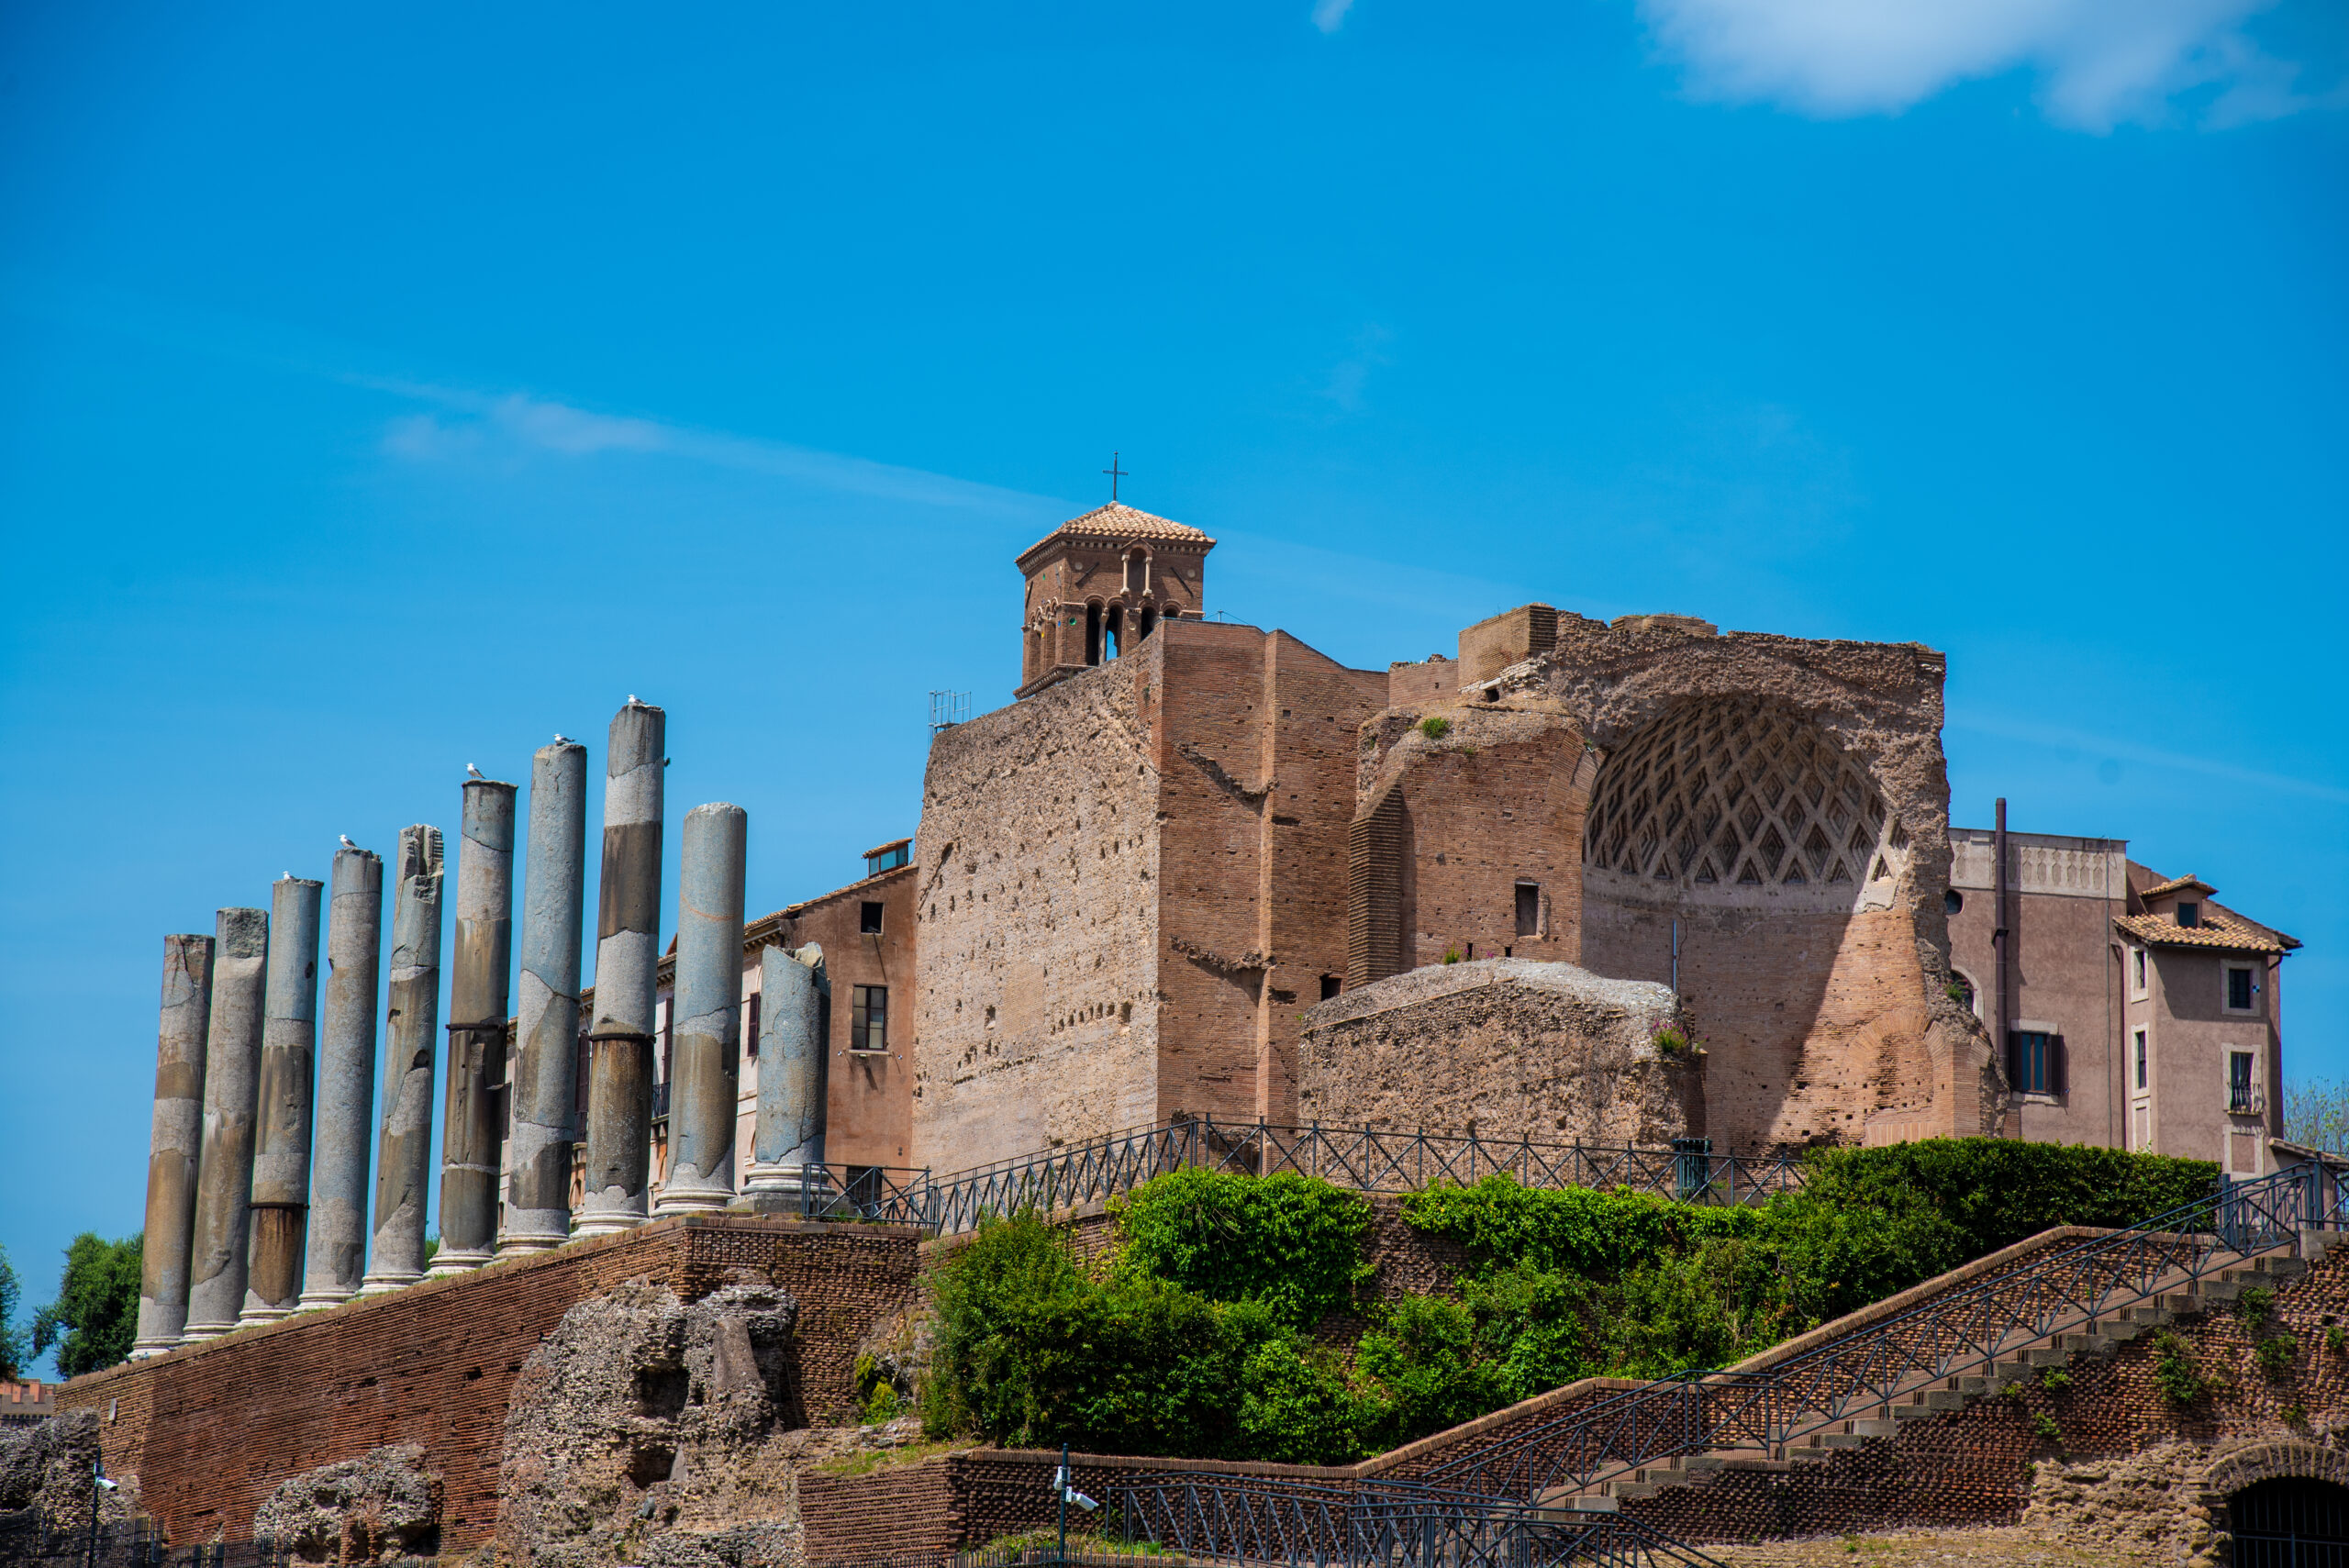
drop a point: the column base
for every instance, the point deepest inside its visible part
(253, 1315)
(589, 1225)
(512, 1246)
(695, 1200)
(454, 1261)
(319, 1300)
(147, 1349)
(379, 1285)
(197, 1333)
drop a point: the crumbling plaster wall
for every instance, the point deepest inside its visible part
(1036, 1014)
(1826, 1026)
(1503, 1049)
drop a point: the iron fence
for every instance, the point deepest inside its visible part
(28, 1540)
(1237, 1519)
(1365, 1159)
(878, 1194)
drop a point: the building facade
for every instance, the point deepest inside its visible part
(2143, 1013)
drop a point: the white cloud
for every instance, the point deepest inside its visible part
(471, 424)
(1330, 15)
(2101, 61)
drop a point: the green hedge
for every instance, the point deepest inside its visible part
(1194, 1339)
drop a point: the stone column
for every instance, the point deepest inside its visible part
(545, 1077)
(709, 1012)
(175, 1146)
(289, 1045)
(336, 1257)
(788, 1159)
(628, 958)
(412, 1026)
(474, 1125)
(224, 1178)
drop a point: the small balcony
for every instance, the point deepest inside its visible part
(2245, 1099)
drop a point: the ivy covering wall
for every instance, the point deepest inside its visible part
(1195, 1337)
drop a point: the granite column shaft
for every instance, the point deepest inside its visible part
(175, 1146)
(628, 959)
(411, 1031)
(335, 1256)
(788, 1155)
(546, 1068)
(282, 1123)
(224, 1181)
(472, 1127)
(708, 1011)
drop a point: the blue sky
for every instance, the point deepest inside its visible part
(388, 388)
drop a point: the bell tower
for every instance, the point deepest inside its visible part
(1100, 585)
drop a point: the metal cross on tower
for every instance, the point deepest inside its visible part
(1115, 473)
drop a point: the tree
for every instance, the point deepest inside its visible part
(96, 1314)
(2316, 1114)
(11, 1340)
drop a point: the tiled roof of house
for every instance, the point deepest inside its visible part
(1120, 522)
(2174, 884)
(2217, 933)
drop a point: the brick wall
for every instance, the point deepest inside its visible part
(212, 1429)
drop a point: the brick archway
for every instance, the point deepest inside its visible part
(2293, 1458)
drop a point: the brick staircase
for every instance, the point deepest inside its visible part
(1814, 1437)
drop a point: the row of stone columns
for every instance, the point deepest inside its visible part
(257, 1180)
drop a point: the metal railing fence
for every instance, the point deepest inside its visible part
(1223, 1519)
(1865, 1370)
(1365, 1159)
(1860, 1372)
(28, 1540)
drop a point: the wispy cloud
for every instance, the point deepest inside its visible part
(463, 424)
(1349, 375)
(1330, 15)
(2061, 738)
(2101, 61)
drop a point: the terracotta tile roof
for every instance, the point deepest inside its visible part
(1120, 522)
(2217, 932)
(2175, 883)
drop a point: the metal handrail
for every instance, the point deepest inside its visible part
(1238, 1519)
(1364, 1159)
(1868, 1368)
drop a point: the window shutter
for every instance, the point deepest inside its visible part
(2014, 1060)
(2059, 1066)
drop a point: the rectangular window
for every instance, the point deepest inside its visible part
(2239, 990)
(2140, 1059)
(2036, 1061)
(1529, 908)
(2139, 957)
(868, 1017)
(2243, 1098)
(751, 1040)
(869, 919)
(2189, 913)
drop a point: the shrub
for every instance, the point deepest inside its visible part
(2175, 1373)
(1290, 1241)
(1671, 1039)
(2255, 1305)
(2276, 1354)
(1434, 727)
(2336, 1339)
(2054, 1379)
(2044, 1425)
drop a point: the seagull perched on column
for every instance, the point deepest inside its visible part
(563, 739)
(474, 772)
(346, 840)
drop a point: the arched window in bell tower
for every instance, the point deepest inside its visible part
(1113, 632)
(1093, 633)
(1149, 622)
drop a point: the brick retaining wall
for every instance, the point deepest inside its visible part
(212, 1429)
